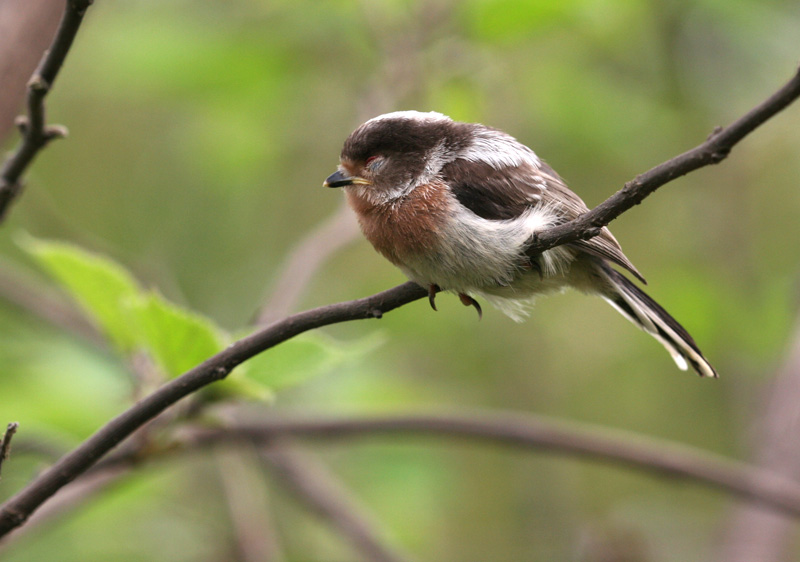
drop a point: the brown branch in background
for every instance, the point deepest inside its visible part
(249, 505)
(322, 493)
(35, 132)
(305, 259)
(17, 509)
(532, 432)
(752, 532)
(5, 443)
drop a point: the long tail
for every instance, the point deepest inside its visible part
(635, 305)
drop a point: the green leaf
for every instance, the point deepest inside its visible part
(239, 385)
(101, 287)
(176, 338)
(304, 357)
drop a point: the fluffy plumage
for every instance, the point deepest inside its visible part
(455, 206)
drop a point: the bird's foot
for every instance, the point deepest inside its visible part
(532, 264)
(432, 290)
(467, 300)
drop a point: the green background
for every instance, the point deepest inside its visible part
(200, 134)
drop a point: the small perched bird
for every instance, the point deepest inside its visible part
(455, 207)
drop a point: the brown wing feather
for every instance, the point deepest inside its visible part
(502, 194)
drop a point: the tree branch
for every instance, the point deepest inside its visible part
(714, 150)
(17, 509)
(324, 495)
(35, 133)
(533, 432)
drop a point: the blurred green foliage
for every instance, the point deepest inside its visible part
(200, 133)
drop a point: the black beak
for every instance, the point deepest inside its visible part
(338, 179)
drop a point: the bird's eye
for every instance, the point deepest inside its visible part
(373, 162)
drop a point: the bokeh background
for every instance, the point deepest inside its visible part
(200, 134)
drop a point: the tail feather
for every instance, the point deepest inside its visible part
(647, 314)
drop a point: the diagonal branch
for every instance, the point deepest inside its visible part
(325, 496)
(16, 510)
(35, 133)
(714, 150)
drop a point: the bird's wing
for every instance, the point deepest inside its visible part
(506, 193)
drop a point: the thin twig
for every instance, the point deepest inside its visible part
(534, 432)
(17, 509)
(35, 133)
(5, 444)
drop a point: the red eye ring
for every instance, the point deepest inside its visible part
(369, 160)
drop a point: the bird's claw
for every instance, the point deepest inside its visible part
(467, 300)
(432, 290)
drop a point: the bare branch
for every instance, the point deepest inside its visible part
(27, 27)
(35, 133)
(18, 508)
(246, 495)
(5, 443)
(318, 489)
(752, 532)
(532, 432)
(714, 150)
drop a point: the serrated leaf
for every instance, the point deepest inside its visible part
(176, 338)
(100, 286)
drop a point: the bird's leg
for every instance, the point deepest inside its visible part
(532, 264)
(432, 290)
(467, 300)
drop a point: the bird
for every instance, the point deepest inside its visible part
(456, 205)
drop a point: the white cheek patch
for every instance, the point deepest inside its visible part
(378, 197)
(499, 150)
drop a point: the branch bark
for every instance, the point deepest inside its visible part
(17, 509)
(713, 151)
(27, 27)
(35, 133)
(532, 432)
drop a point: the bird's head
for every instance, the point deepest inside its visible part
(390, 155)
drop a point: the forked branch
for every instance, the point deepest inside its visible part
(35, 132)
